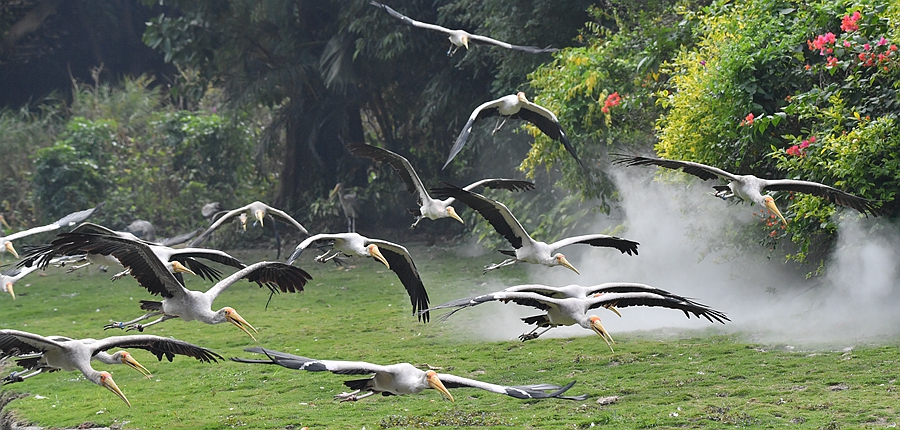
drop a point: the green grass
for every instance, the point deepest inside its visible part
(682, 379)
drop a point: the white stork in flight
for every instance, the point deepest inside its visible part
(8, 278)
(575, 304)
(392, 255)
(402, 378)
(67, 221)
(154, 273)
(526, 248)
(514, 106)
(751, 188)
(259, 211)
(71, 355)
(459, 37)
(428, 207)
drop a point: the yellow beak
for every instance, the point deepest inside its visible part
(770, 204)
(9, 289)
(9, 247)
(598, 328)
(376, 254)
(3, 221)
(565, 263)
(178, 267)
(233, 317)
(452, 213)
(106, 381)
(616, 311)
(129, 361)
(259, 217)
(436, 383)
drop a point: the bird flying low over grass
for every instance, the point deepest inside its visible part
(428, 207)
(575, 304)
(514, 106)
(392, 255)
(69, 354)
(402, 378)
(69, 220)
(460, 37)
(259, 211)
(526, 248)
(8, 278)
(751, 188)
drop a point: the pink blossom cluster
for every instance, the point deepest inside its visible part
(848, 22)
(748, 120)
(882, 54)
(799, 150)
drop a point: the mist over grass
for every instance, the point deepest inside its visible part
(687, 247)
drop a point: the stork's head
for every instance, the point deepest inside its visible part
(106, 381)
(595, 325)
(465, 40)
(179, 268)
(769, 203)
(335, 190)
(375, 253)
(126, 359)
(9, 247)
(9, 289)
(560, 260)
(233, 317)
(260, 214)
(452, 214)
(243, 218)
(434, 382)
(521, 96)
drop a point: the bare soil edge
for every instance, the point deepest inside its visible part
(8, 420)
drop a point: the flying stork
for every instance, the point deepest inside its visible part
(515, 106)
(392, 255)
(428, 207)
(257, 210)
(576, 304)
(459, 37)
(526, 248)
(71, 355)
(751, 188)
(66, 221)
(402, 378)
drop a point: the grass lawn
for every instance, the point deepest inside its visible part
(681, 378)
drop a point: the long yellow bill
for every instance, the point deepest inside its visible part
(9, 289)
(259, 217)
(561, 259)
(178, 267)
(106, 381)
(452, 213)
(598, 328)
(770, 204)
(376, 254)
(436, 383)
(243, 218)
(129, 361)
(3, 221)
(9, 247)
(233, 317)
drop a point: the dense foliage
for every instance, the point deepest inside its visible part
(143, 156)
(814, 102)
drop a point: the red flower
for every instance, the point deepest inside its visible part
(831, 62)
(748, 120)
(812, 139)
(848, 23)
(794, 150)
